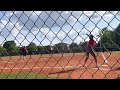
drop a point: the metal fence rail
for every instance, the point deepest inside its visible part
(52, 44)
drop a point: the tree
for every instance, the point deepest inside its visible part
(74, 46)
(18, 49)
(117, 35)
(32, 47)
(84, 44)
(10, 46)
(40, 48)
(2, 49)
(61, 46)
(48, 48)
(106, 38)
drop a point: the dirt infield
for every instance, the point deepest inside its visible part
(66, 66)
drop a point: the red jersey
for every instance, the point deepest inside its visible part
(91, 43)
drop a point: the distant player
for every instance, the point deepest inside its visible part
(90, 50)
(51, 50)
(24, 52)
(31, 53)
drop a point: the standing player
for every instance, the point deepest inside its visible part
(90, 50)
(51, 49)
(24, 52)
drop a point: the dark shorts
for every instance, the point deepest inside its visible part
(31, 53)
(88, 49)
(91, 51)
(24, 53)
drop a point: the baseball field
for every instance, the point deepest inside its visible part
(57, 66)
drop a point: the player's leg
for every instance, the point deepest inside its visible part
(95, 58)
(87, 56)
(0, 56)
(24, 56)
(30, 53)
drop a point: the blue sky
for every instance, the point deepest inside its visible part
(47, 27)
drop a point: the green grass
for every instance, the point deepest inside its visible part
(23, 75)
(57, 54)
(10, 57)
(116, 51)
(27, 56)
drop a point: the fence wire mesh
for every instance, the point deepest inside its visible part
(55, 44)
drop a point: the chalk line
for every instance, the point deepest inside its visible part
(104, 58)
(22, 61)
(43, 67)
(8, 62)
(74, 67)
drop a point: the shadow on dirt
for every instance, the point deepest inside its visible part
(118, 78)
(63, 71)
(71, 70)
(117, 68)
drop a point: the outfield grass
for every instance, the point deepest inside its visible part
(27, 56)
(23, 75)
(9, 57)
(116, 52)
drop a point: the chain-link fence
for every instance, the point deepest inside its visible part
(57, 44)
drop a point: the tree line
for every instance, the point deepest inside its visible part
(108, 39)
